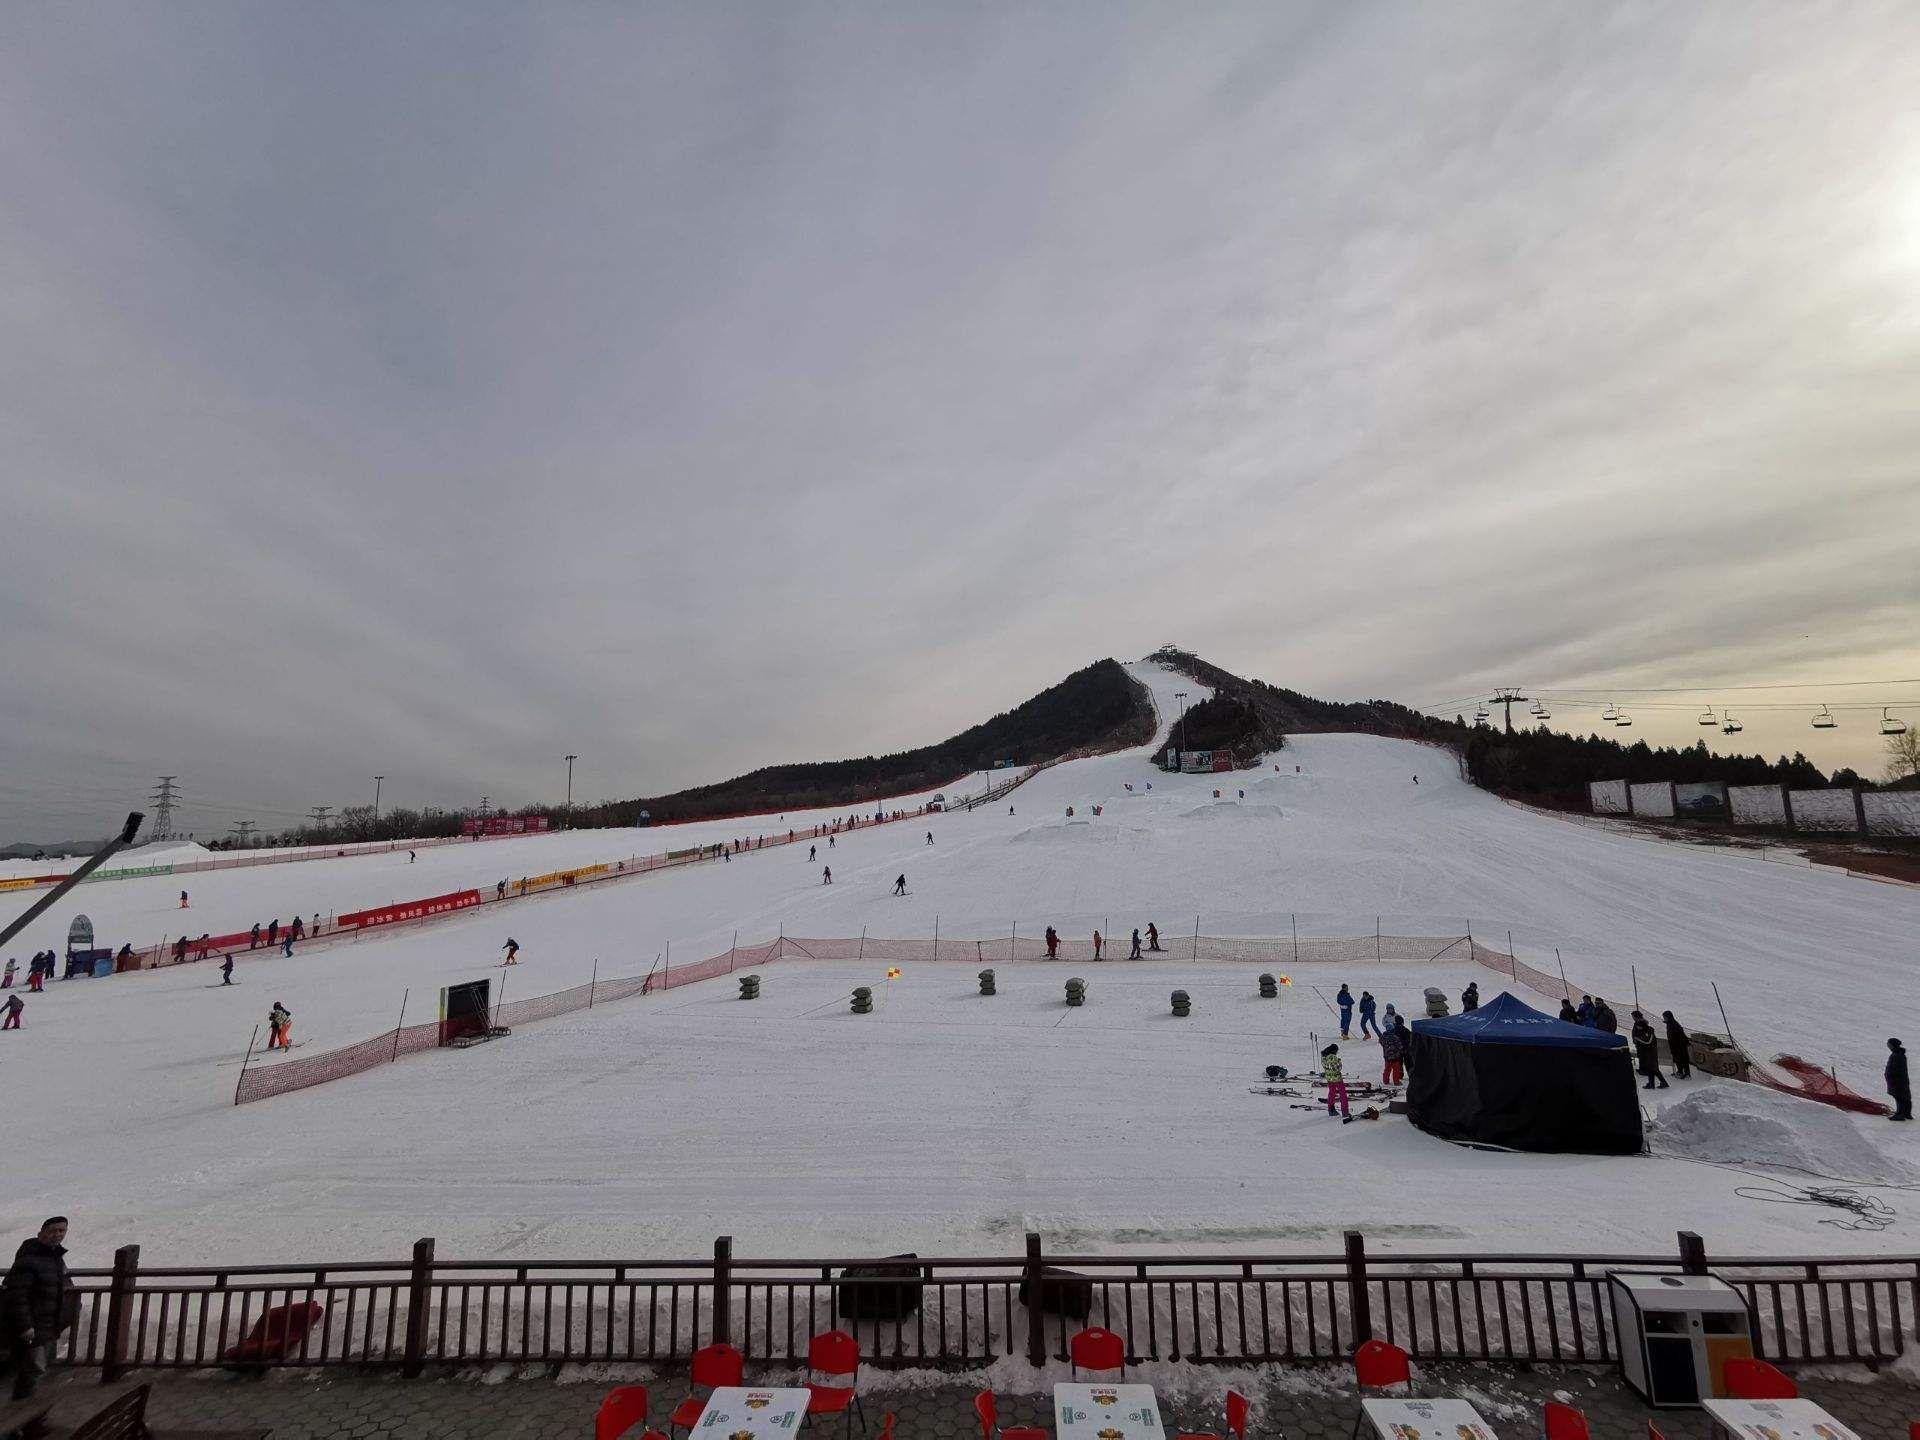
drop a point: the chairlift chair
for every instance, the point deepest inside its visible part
(1609, 713)
(1823, 720)
(1482, 715)
(1891, 724)
(1707, 717)
(1543, 714)
(1733, 726)
(1623, 718)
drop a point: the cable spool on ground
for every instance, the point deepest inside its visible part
(1269, 988)
(1182, 1004)
(1076, 991)
(862, 1000)
(749, 987)
(986, 982)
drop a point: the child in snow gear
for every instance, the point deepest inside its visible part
(1153, 937)
(7, 982)
(512, 947)
(1134, 954)
(1367, 1022)
(1679, 1049)
(13, 1007)
(299, 928)
(1898, 1086)
(286, 944)
(183, 899)
(1470, 998)
(1393, 1052)
(1330, 1069)
(826, 874)
(279, 1023)
(226, 971)
(1646, 1050)
(1345, 1001)
(1096, 946)
(1053, 944)
(900, 885)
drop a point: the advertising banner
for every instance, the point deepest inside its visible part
(1706, 797)
(1197, 762)
(503, 825)
(407, 910)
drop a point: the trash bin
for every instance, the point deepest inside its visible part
(1676, 1334)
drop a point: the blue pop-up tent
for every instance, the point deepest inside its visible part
(1507, 1075)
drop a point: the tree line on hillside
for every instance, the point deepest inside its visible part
(1542, 764)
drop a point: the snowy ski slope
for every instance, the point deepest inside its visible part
(946, 1122)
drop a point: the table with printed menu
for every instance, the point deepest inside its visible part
(1775, 1420)
(1107, 1412)
(1426, 1420)
(737, 1413)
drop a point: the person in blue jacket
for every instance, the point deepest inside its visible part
(1345, 1001)
(1367, 1022)
(1585, 1013)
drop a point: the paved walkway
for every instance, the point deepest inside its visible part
(1299, 1402)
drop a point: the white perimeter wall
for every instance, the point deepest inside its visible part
(1757, 804)
(1892, 812)
(1608, 797)
(1654, 798)
(1823, 810)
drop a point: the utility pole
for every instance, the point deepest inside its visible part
(376, 795)
(318, 815)
(1507, 696)
(1181, 696)
(165, 796)
(485, 808)
(570, 760)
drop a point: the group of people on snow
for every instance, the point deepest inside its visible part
(39, 971)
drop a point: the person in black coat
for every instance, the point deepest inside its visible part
(33, 1303)
(1679, 1049)
(1604, 1018)
(1567, 1013)
(1470, 998)
(1898, 1086)
(1646, 1049)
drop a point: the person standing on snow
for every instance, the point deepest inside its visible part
(6, 982)
(226, 971)
(1053, 944)
(512, 947)
(273, 932)
(1679, 1048)
(1134, 954)
(1393, 1052)
(1470, 998)
(253, 936)
(929, 837)
(1367, 1022)
(1153, 936)
(13, 1007)
(826, 874)
(299, 928)
(829, 842)
(1345, 1001)
(1332, 1073)
(1898, 1086)
(900, 886)
(1096, 946)
(1646, 1049)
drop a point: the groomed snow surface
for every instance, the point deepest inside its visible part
(946, 1122)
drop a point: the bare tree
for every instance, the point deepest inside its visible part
(1903, 755)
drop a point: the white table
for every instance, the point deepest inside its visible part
(735, 1413)
(1775, 1420)
(1426, 1420)
(1107, 1412)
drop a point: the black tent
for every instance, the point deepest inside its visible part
(1507, 1075)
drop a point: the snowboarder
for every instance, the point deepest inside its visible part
(1679, 1048)
(6, 982)
(1134, 954)
(826, 874)
(1470, 998)
(279, 1024)
(1009, 809)
(226, 971)
(1153, 937)
(1345, 1001)
(1898, 1086)
(1393, 1052)
(253, 936)
(512, 947)
(900, 886)
(1646, 1050)
(1367, 1021)
(1330, 1070)
(411, 857)
(500, 891)
(33, 1306)
(13, 1007)
(1053, 944)
(1604, 1018)
(1568, 1014)
(812, 851)
(1096, 946)
(1584, 1015)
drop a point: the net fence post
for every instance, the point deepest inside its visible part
(1196, 937)
(1036, 1315)
(1357, 1300)
(419, 1289)
(120, 1289)
(1294, 921)
(722, 1288)
(593, 982)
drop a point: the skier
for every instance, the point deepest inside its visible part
(286, 944)
(180, 950)
(253, 936)
(929, 837)
(1153, 936)
(299, 929)
(1470, 998)
(829, 842)
(1009, 809)
(1345, 1001)
(1604, 1018)
(1134, 954)
(1584, 1015)
(411, 857)
(1053, 944)
(811, 852)
(1568, 1014)
(1898, 1086)
(13, 1007)
(1679, 1048)
(273, 932)
(1096, 946)
(1393, 1053)
(226, 971)
(1330, 1070)
(826, 874)
(279, 1027)
(1367, 1022)
(500, 891)
(512, 947)
(1416, 779)
(183, 899)
(900, 886)
(1646, 1049)
(6, 981)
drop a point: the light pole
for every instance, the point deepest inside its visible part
(1181, 696)
(570, 760)
(376, 795)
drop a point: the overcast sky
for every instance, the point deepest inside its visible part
(433, 390)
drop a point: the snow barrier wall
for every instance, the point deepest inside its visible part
(1608, 797)
(1892, 812)
(1655, 798)
(1823, 810)
(1831, 810)
(1757, 804)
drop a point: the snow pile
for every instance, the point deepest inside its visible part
(1224, 809)
(1751, 1125)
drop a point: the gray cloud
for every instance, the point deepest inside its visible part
(438, 389)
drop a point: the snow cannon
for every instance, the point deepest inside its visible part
(749, 987)
(1269, 988)
(1182, 1004)
(1076, 991)
(862, 1000)
(1436, 1003)
(986, 983)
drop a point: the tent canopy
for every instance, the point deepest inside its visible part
(1504, 1020)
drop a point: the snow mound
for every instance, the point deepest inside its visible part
(1069, 832)
(1238, 809)
(1749, 1124)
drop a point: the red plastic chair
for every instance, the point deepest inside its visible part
(1097, 1349)
(277, 1334)
(832, 1355)
(1376, 1365)
(1237, 1414)
(713, 1365)
(1563, 1422)
(989, 1413)
(620, 1410)
(886, 1426)
(1757, 1380)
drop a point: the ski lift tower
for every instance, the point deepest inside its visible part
(1509, 698)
